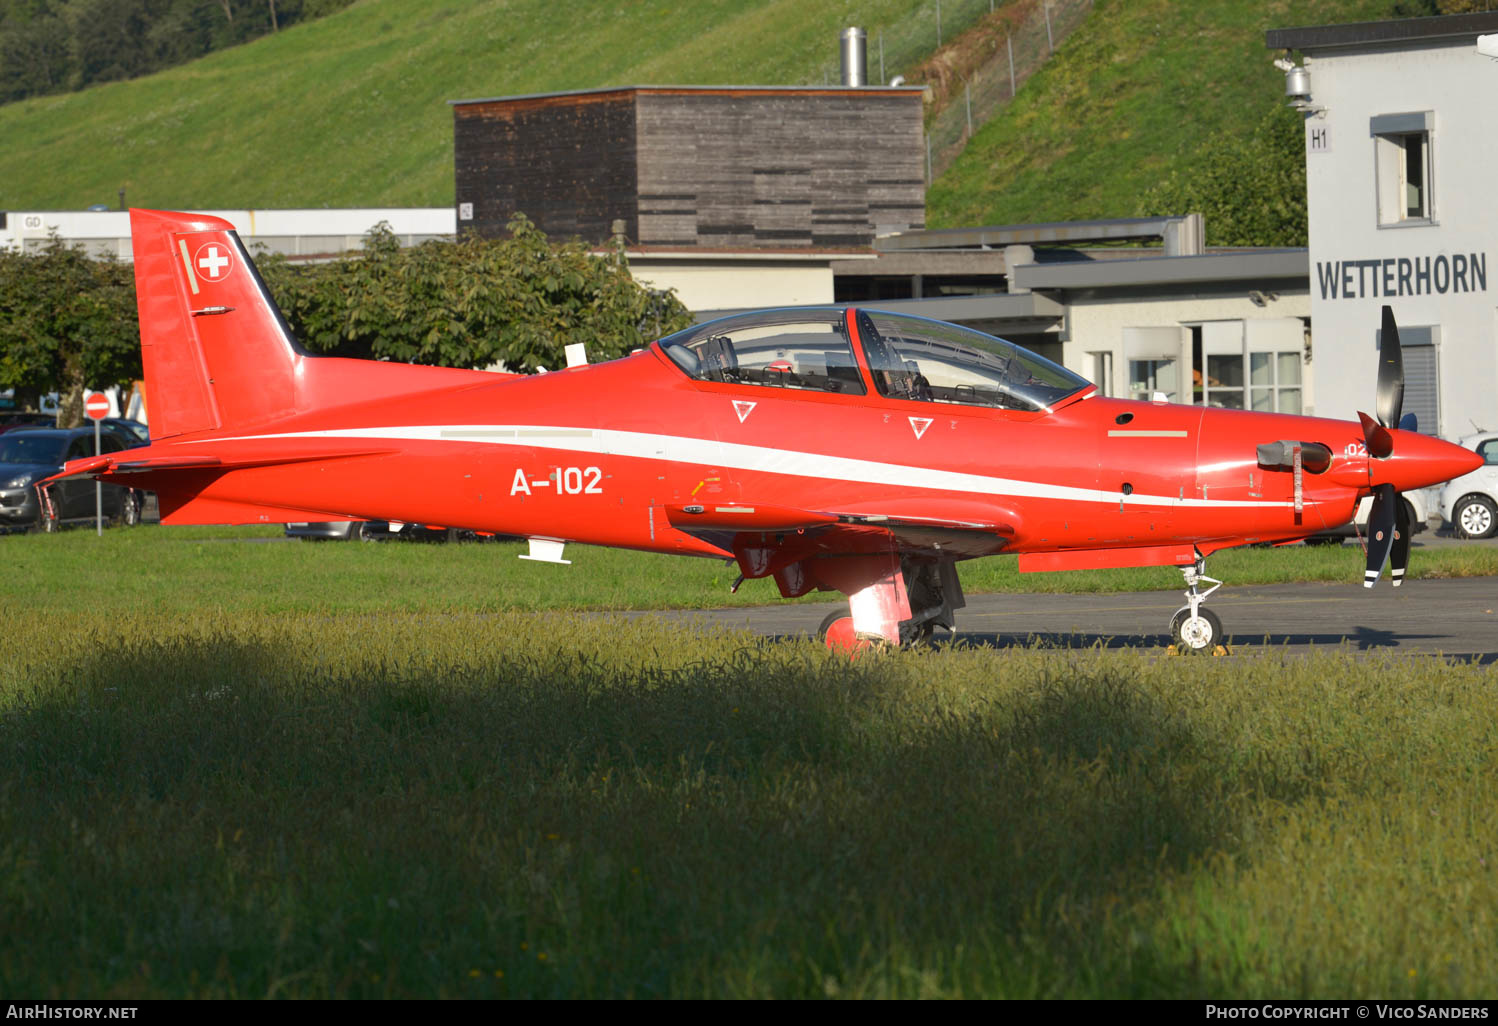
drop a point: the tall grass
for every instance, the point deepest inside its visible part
(383, 804)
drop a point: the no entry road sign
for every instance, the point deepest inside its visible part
(96, 405)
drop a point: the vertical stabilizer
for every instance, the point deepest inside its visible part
(217, 352)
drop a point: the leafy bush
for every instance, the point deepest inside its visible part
(1251, 189)
(518, 300)
(68, 320)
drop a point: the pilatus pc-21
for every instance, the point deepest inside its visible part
(840, 449)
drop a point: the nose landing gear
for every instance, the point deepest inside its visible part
(1195, 628)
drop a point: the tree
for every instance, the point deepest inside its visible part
(67, 322)
(1251, 190)
(519, 301)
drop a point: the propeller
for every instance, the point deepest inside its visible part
(1389, 520)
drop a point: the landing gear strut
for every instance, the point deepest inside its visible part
(1195, 628)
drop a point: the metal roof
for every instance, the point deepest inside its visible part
(997, 307)
(1118, 229)
(602, 90)
(1403, 30)
(1245, 267)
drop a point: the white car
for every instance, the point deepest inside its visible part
(1470, 502)
(1420, 506)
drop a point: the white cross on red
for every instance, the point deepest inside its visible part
(213, 263)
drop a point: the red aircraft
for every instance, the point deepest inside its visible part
(837, 448)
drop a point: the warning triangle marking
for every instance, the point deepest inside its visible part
(743, 408)
(919, 425)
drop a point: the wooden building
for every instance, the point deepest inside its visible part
(689, 167)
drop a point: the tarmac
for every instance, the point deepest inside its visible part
(1455, 617)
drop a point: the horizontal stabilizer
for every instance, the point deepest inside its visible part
(122, 463)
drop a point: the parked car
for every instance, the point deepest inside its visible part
(1470, 502)
(375, 530)
(1419, 503)
(134, 428)
(10, 420)
(27, 456)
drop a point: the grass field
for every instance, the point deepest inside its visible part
(385, 804)
(234, 768)
(189, 569)
(351, 110)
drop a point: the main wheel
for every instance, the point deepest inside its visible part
(1199, 633)
(48, 524)
(1473, 517)
(130, 504)
(836, 632)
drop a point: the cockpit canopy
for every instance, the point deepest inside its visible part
(909, 357)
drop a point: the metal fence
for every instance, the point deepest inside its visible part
(1031, 39)
(902, 44)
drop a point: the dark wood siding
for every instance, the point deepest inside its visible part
(567, 163)
(718, 168)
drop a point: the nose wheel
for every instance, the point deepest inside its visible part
(1195, 628)
(1201, 632)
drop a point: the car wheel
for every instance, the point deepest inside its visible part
(365, 531)
(1474, 516)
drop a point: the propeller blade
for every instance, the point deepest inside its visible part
(1380, 443)
(1399, 555)
(1380, 532)
(1390, 373)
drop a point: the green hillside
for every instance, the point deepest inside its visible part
(351, 110)
(1143, 86)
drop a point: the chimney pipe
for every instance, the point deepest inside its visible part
(855, 57)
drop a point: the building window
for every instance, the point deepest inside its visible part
(1404, 168)
(1274, 382)
(1146, 377)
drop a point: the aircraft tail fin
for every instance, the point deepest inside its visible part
(216, 350)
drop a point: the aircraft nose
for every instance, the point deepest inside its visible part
(1419, 461)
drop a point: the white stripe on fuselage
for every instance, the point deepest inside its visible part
(761, 459)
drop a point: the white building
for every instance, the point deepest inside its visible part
(1401, 146)
(306, 233)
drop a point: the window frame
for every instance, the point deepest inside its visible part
(700, 334)
(1390, 134)
(1083, 390)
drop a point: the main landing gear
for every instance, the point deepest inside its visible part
(902, 605)
(1195, 628)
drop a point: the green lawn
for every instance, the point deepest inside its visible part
(188, 569)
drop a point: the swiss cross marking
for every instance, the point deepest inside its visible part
(214, 261)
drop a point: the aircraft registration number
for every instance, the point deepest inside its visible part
(566, 481)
